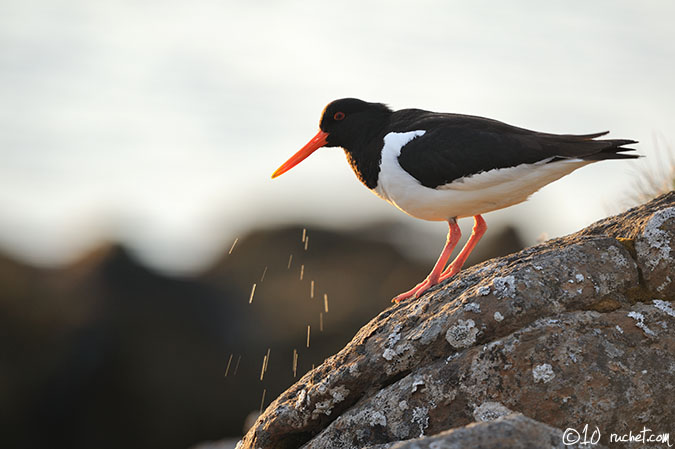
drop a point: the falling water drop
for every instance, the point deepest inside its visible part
(233, 245)
(262, 401)
(227, 370)
(236, 367)
(250, 299)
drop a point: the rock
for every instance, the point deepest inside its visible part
(514, 431)
(575, 331)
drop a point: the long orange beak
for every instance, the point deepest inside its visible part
(317, 142)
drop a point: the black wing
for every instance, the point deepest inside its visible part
(455, 146)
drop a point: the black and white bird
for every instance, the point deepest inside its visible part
(441, 167)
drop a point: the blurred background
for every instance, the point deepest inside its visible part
(151, 272)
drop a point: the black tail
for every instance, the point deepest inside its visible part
(587, 148)
(612, 149)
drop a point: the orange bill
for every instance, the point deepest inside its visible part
(317, 142)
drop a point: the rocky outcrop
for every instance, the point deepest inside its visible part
(579, 330)
(513, 431)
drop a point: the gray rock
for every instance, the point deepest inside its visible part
(514, 431)
(577, 330)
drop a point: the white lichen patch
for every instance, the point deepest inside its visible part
(498, 316)
(655, 243)
(664, 284)
(504, 287)
(579, 277)
(377, 419)
(462, 335)
(617, 257)
(302, 400)
(397, 352)
(338, 394)
(489, 411)
(403, 405)
(472, 307)
(389, 354)
(618, 328)
(394, 337)
(664, 306)
(367, 417)
(418, 381)
(420, 417)
(483, 290)
(640, 322)
(543, 373)
(452, 357)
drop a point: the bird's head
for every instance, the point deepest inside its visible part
(342, 122)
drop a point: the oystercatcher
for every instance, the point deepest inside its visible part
(441, 167)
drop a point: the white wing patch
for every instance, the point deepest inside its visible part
(464, 197)
(391, 172)
(484, 180)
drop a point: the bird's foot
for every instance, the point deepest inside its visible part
(450, 271)
(416, 291)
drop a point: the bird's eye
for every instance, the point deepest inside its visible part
(339, 116)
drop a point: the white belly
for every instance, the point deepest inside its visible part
(464, 197)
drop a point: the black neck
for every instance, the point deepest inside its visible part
(364, 148)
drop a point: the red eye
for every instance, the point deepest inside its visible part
(339, 115)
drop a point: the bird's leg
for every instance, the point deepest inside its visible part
(453, 237)
(479, 228)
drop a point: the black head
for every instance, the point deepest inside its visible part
(347, 123)
(349, 118)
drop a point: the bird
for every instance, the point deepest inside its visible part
(446, 166)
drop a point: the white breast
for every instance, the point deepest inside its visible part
(464, 197)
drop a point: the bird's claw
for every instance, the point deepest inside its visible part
(415, 292)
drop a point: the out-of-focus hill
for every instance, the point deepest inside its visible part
(107, 353)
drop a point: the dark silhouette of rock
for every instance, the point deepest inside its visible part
(107, 353)
(579, 330)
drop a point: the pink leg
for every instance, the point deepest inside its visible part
(479, 229)
(453, 237)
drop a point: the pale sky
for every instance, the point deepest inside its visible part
(159, 123)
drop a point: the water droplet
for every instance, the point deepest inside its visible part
(233, 245)
(262, 401)
(250, 299)
(227, 370)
